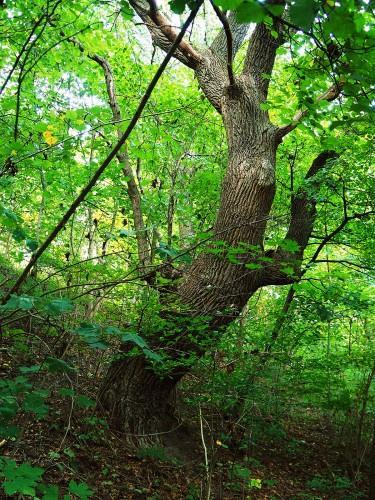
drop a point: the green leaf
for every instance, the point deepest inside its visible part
(9, 214)
(253, 265)
(18, 234)
(241, 472)
(303, 12)
(135, 339)
(140, 342)
(177, 6)
(126, 10)
(85, 402)
(29, 369)
(289, 245)
(50, 492)
(288, 270)
(276, 10)
(264, 106)
(112, 330)
(255, 483)
(250, 11)
(20, 479)
(8, 406)
(152, 355)
(31, 244)
(166, 251)
(55, 365)
(228, 5)
(34, 402)
(9, 431)
(19, 485)
(81, 490)
(69, 452)
(59, 306)
(91, 334)
(66, 392)
(19, 302)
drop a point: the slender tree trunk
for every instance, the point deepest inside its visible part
(362, 414)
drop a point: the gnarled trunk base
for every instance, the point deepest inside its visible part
(138, 401)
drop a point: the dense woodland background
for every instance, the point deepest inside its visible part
(268, 396)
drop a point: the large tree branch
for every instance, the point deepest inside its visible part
(303, 214)
(330, 95)
(261, 52)
(164, 34)
(229, 41)
(303, 208)
(235, 31)
(208, 66)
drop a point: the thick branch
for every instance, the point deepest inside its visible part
(164, 34)
(229, 41)
(209, 67)
(261, 52)
(330, 95)
(303, 209)
(238, 32)
(303, 213)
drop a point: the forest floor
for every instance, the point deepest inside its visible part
(72, 442)
(304, 464)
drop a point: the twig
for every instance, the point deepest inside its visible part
(205, 454)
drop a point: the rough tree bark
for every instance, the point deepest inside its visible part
(213, 287)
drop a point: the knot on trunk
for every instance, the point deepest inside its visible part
(233, 91)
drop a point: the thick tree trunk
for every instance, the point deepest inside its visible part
(213, 287)
(217, 287)
(139, 402)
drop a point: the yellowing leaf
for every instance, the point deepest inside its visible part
(49, 137)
